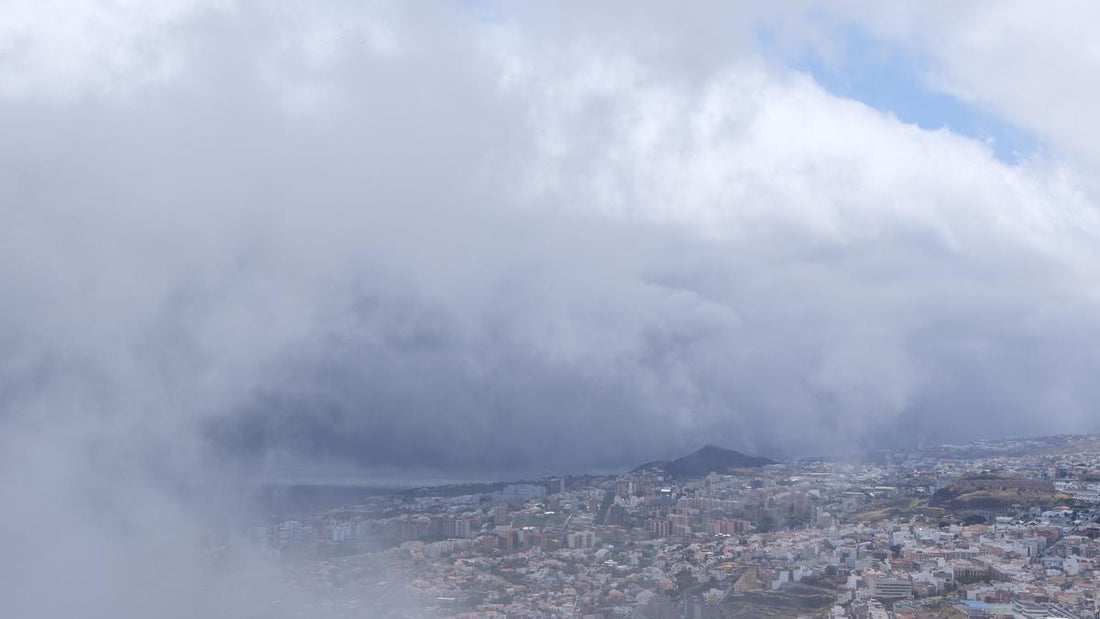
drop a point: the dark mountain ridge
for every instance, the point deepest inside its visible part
(706, 460)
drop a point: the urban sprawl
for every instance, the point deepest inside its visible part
(988, 529)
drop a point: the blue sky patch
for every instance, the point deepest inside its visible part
(891, 80)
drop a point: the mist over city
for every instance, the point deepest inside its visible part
(524, 309)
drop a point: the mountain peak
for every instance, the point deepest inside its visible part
(707, 459)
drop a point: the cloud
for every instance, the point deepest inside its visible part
(489, 241)
(55, 50)
(1015, 60)
(464, 242)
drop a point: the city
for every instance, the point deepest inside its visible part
(988, 529)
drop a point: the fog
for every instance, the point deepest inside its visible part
(490, 240)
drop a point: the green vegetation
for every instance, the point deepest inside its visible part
(684, 580)
(608, 498)
(974, 519)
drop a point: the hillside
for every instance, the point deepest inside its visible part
(994, 493)
(706, 460)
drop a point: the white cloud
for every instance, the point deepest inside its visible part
(1027, 63)
(731, 189)
(57, 49)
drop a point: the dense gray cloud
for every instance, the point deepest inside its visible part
(484, 240)
(488, 237)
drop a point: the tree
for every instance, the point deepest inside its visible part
(684, 580)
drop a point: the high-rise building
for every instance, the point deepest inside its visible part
(726, 526)
(462, 527)
(660, 527)
(580, 539)
(616, 514)
(506, 540)
(681, 524)
(891, 588)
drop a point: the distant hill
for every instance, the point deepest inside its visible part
(996, 493)
(706, 460)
